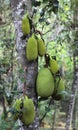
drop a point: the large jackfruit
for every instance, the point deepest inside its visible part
(41, 47)
(44, 83)
(54, 66)
(59, 89)
(25, 25)
(32, 49)
(28, 112)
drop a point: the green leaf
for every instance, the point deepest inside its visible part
(63, 93)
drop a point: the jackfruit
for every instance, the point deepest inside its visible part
(16, 109)
(25, 25)
(31, 49)
(54, 66)
(41, 47)
(59, 89)
(28, 112)
(44, 83)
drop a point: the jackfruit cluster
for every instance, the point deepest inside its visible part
(48, 83)
(59, 85)
(35, 47)
(59, 89)
(24, 110)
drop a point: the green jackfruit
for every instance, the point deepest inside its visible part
(25, 25)
(41, 47)
(54, 66)
(32, 49)
(26, 112)
(45, 83)
(16, 109)
(29, 112)
(59, 89)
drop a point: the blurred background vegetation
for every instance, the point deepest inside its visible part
(56, 25)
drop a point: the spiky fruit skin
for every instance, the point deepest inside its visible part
(29, 112)
(16, 106)
(59, 88)
(44, 83)
(41, 47)
(54, 66)
(31, 49)
(25, 25)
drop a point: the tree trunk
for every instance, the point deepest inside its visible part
(72, 97)
(74, 5)
(30, 68)
(54, 118)
(74, 118)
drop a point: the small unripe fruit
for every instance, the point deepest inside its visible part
(41, 47)
(54, 66)
(31, 49)
(16, 108)
(25, 25)
(59, 89)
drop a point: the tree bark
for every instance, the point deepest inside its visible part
(74, 4)
(74, 118)
(54, 117)
(30, 68)
(73, 96)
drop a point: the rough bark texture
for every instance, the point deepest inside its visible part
(54, 118)
(30, 68)
(74, 118)
(73, 96)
